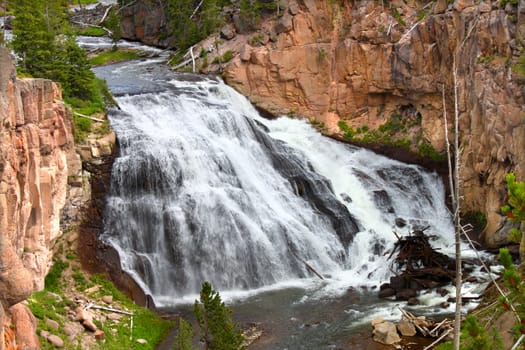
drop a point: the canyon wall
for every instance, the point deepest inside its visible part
(361, 63)
(364, 62)
(37, 160)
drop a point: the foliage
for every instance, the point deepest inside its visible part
(52, 280)
(113, 56)
(515, 209)
(218, 331)
(188, 30)
(397, 16)
(226, 57)
(505, 2)
(47, 49)
(183, 339)
(427, 150)
(113, 24)
(92, 31)
(474, 337)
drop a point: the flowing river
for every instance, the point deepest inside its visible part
(204, 188)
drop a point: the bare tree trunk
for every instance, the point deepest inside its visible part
(457, 221)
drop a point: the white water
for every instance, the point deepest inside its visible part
(196, 197)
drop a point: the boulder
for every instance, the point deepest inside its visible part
(406, 328)
(228, 32)
(56, 341)
(405, 294)
(386, 333)
(108, 299)
(52, 324)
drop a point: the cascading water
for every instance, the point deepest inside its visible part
(205, 189)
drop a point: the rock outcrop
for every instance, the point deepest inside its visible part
(37, 158)
(362, 63)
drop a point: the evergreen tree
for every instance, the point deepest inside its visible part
(113, 24)
(215, 322)
(183, 339)
(47, 49)
(515, 210)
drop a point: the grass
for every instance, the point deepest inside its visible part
(92, 31)
(226, 57)
(113, 56)
(101, 98)
(51, 303)
(83, 2)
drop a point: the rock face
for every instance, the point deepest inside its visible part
(36, 143)
(361, 63)
(145, 21)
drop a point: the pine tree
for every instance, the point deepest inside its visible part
(515, 210)
(183, 339)
(43, 41)
(215, 322)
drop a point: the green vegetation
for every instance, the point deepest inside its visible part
(215, 321)
(226, 57)
(48, 49)
(113, 56)
(397, 16)
(503, 3)
(515, 210)
(475, 337)
(113, 24)
(394, 132)
(91, 31)
(217, 331)
(189, 28)
(52, 303)
(183, 339)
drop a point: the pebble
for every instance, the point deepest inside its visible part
(142, 341)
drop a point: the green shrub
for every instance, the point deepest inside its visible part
(52, 280)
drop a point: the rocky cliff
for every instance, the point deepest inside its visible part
(386, 69)
(364, 63)
(37, 158)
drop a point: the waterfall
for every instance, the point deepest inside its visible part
(206, 189)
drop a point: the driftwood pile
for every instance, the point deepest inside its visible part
(388, 333)
(417, 266)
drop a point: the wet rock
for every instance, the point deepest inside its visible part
(406, 328)
(405, 294)
(444, 304)
(413, 301)
(387, 293)
(386, 333)
(56, 341)
(400, 222)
